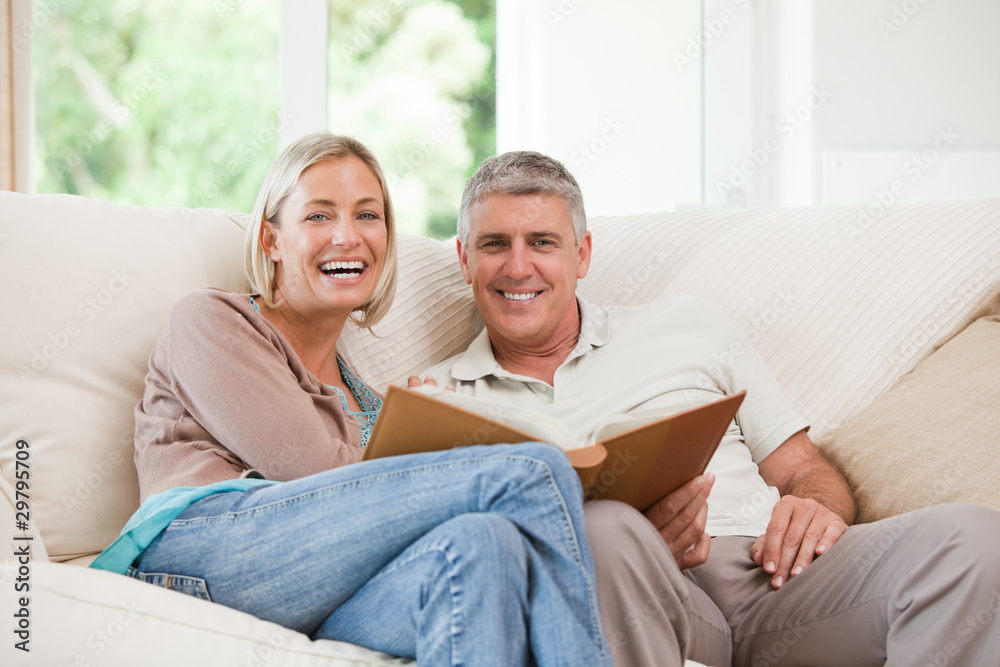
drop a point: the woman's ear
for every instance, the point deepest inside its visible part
(269, 241)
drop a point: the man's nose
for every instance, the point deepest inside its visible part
(519, 262)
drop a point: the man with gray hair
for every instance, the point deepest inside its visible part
(777, 582)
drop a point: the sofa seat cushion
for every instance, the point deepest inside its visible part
(933, 438)
(110, 620)
(81, 616)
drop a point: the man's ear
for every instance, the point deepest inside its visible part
(269, 241)
(463, 261)
(583, 256)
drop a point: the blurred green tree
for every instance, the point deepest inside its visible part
(158, 102)
(414, 80)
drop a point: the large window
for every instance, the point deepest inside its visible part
(156, 102)
(164, 102)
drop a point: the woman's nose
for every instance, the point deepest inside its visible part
(344, 234)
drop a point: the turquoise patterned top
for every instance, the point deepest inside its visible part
(369, 402)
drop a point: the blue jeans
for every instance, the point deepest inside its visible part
(472, 556)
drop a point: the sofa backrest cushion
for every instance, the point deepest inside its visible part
(89, 287)
(841, 301)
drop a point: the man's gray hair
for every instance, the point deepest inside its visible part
(522, 173)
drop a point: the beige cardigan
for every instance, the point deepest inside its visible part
(226, 395)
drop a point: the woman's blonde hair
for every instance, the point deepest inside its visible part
(281, 179)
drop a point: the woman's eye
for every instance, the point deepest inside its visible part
(317, 216)
(368, 215)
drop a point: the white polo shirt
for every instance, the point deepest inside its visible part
(664, 355)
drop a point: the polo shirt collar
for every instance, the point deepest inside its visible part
(594, 328)
(478, 361)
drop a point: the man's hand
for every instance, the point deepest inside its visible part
(800, 529)
(815, 509)
(680, 518)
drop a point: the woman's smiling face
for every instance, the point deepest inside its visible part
(330, 243)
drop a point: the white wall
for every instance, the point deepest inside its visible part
(609, 89)
(893, 75)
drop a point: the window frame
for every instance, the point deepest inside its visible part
(19, 126)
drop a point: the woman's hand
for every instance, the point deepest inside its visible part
(680, 517)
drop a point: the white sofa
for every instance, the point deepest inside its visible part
(841, 301)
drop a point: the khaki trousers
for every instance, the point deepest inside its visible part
(917, 590)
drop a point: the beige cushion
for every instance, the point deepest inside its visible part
(934, 437)
(89, 287)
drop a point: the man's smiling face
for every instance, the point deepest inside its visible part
(523, 264)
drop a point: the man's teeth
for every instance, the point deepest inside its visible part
(354, 267)
(520, 297)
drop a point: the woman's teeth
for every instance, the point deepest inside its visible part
(346, 269)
